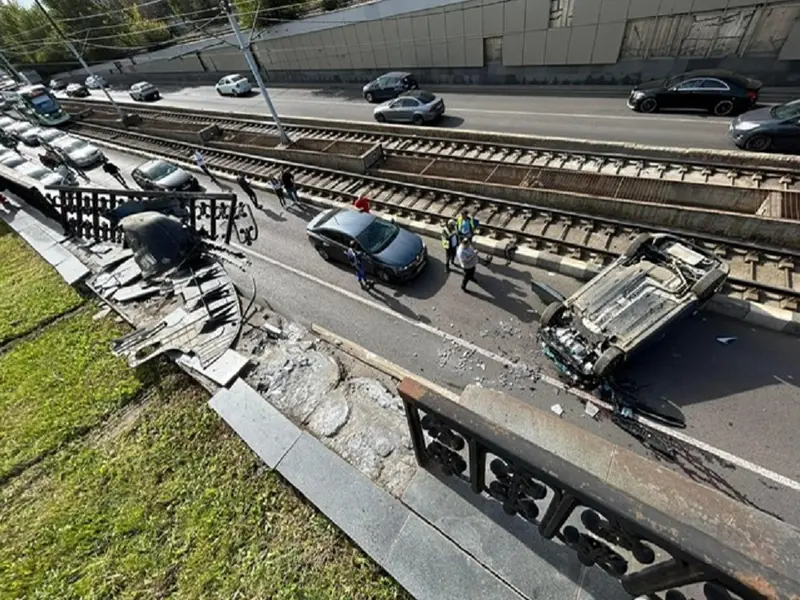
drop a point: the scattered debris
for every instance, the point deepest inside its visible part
(591, 409)
(725, 341)
(101, 314)
(558, 409)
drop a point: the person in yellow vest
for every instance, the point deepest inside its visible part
(467, 225)
(450, 242)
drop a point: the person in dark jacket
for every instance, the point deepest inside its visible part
(450, 241)
(248, 189)
(356, 258)
(113, 170)
(288, 185)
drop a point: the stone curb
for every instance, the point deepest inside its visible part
(759, 315)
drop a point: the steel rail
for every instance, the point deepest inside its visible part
(432, 146)
(579, 236)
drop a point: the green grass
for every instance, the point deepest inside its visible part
(174, 505)
(31, 291)
(58, 384)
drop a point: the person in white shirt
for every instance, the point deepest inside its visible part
(468, 258)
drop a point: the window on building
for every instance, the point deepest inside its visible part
(492, 50)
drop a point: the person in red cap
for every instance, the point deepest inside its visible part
(362, 204)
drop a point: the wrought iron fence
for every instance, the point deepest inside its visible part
(88, 213)
(652, 554)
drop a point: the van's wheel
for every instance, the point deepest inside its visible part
(708, 284)
(551, 314)
(608, 361)
(648, 105)
(380, 118)
(636, 245)
(723, 108)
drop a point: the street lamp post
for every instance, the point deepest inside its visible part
(77, 55)
(248, 55)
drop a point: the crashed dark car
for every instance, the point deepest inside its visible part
(657, 281)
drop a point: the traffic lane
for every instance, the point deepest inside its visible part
(605, 119)
(688, 367)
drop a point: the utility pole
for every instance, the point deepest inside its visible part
(230, 11)
(78, 56)
(11, 69)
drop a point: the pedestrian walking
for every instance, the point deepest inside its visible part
(467, 225)
(248, 189)
(200, 161)
(288, 185)
(48, 160)
(113, 170)
(356, 258)
(468, 257)
(277, 189)
(362, 204)
(450, 243)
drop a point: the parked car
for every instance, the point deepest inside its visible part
(57, 84)
(658, 280)
(44, 175)
(11, 159)
(720, 92)
(417, 107)
(144, 91)
(161, 175)
(389, 86)
(30, 136)
(77, 90)
(6, 122)
(233, 85)
(770, 128)
(391, 252)
(17, 129)
(96, 82)
(76, 151)
(45, 135)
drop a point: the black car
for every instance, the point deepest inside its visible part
(57, 84)
(389, 86)
(160, 175)
(721, 93)
(77, 90)
(769, 128)
(391, 252)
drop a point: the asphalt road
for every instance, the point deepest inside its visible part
(741, 398)
(607, 119)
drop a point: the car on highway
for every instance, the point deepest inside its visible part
(44, 175)
(721, 93)
(57, 85)
(415, 106)
(45, 135)
(96, 82)
(30, 136)
(389, 86)
(11, 159)
(392, 253)
(658, 280)
(233, 85)
(769, 128)
(16, 130)
(160, 175)
(144, 91)
(76, 151)
(77, 90)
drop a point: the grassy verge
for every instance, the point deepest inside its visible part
(126, 485)
(31, 291)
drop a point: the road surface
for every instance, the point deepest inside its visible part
(740, 398)
(607, 119)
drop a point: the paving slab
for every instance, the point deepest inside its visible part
(36, 237)
(55, 254)
(509, 546)
(365, 512)
(72, 270)
(268, 433)
(222, 371)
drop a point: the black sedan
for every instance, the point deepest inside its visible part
(721, 93)
(160, 175)
(392, 253)
(389, 86)
(77, 90)
(770, 128)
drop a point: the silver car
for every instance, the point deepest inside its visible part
(416, 106)
(11, 159)
(44, 175)
(45, 135)
(16, 130)
(143, 91)
(30, 137)
(77, 151)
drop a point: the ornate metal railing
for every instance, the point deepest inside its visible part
(652, 553)
(88, 213)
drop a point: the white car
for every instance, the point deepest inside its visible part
(144, 90)
(30, 136)
(43, 174)
(16, 129)
(95, 82)
(77, 151)
(6, 121)
(11, 159)
(45, 135)
(233, 85)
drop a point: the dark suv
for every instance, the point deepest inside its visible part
(657, 281)
(389, 86)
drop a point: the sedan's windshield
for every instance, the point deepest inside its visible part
(159, 170)
(377, 236)
(790, 110)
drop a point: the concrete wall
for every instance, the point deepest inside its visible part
(524, 41)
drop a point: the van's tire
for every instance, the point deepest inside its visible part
(636, 245)
(708, 284)
(608, 361)
(551, 314)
